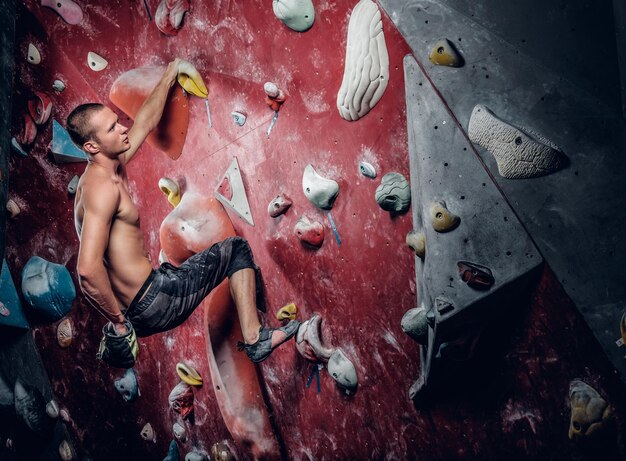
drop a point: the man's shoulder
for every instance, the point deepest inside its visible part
(98, 187)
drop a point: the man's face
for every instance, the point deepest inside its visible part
(111, 137)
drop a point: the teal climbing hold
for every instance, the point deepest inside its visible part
(172, 452)
(11, 313)
(63, 149)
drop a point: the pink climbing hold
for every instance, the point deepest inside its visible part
(169, 15)
(181, 400)
(67, 9)
(40, 107)
(279, 205)
(310, 232)
(28, 130)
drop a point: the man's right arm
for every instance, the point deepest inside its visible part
(100, 203)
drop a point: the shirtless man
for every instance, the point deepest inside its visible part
(114, 271)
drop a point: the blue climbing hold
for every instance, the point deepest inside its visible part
(172, 452)
(11, 313)
(63, 148)
(48, 288)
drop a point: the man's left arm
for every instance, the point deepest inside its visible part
(151, 111)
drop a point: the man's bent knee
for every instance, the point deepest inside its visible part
(240, 255)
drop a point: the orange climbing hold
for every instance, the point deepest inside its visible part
(129, 92)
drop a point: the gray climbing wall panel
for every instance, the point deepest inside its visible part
(443, 168)
(572, 215)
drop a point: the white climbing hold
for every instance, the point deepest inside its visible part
(342, 370)
(298, 15)
(33, 56)
(58, 85)
(238, 118)
(367, 169)
(366, 70)
(321, 191)
(96, 62)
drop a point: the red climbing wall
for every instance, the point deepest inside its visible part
(361, 288)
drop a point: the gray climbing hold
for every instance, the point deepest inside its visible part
(342, 370)
(366, 169)
(52, 409)
(73, 184)
(394, 193)
(7, 398)
(127, 385)
(179, 432)
(415, 324)
(519, 153)
(298, 15)
(320, 191)
(147, 433)
(196, 456)
(30, 407)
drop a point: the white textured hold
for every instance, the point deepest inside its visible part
(519, 153)
(366, 70)
(58, 85)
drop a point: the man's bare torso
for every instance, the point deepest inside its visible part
(126, 259)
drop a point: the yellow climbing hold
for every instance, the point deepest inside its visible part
(444, 54)
(170, 188)
(188, 374)
(189, 78)
(287, 312)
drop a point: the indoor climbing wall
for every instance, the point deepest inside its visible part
(302, 142)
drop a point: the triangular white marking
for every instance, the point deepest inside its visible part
(239, 201)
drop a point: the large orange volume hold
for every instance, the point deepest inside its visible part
(195, 224)
(132, 88)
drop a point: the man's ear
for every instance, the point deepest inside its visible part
(91, 147)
